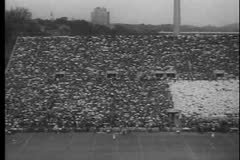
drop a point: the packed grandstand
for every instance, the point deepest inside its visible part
(86, 82)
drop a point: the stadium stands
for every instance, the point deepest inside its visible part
(83, 82)
(203, 99)
(206, 98)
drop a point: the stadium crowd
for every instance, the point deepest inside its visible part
(206, 98)
(207, 102)
(93, 81)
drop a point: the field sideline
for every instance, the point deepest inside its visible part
(135, 146)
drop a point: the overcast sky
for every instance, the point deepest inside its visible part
(194, 12)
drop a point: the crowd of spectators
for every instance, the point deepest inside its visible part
(202, 102)
(93, 81)
(206, 98)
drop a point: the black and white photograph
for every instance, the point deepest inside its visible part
(121, 79)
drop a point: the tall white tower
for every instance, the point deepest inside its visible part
(51, 16)
(177, 17)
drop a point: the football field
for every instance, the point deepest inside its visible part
(134, 146)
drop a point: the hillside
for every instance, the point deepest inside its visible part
(142, 28)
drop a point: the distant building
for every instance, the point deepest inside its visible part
(100, 16)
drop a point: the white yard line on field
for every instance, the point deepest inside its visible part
(140, 148)
(93, 148)
(68, 146)
(25, 143)
(189, 150)
(211, 144)
(162, 143)
(117, 149)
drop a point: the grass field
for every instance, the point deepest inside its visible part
(135, 146)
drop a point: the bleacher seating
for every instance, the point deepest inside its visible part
(83, 82)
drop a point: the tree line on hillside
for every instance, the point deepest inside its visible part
(19, 22)
(143, 28)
